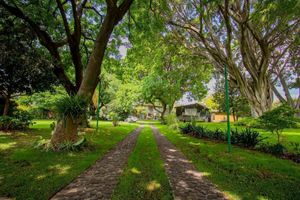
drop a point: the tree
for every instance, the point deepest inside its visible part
(240, 34)
(62, 27)
(167, 72)
(42, 103)
(239, 107)
(125, 99)
(23, 68)
(285, 70)
(278, 119)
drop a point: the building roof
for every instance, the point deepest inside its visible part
(185, 104)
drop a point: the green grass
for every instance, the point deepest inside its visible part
(289, 135)
(148, 122)
(144, 177)
(28, 173)
(242, 174)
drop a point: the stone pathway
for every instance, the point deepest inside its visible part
(99, 181)
(187, 183)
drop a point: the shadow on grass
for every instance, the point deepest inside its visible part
(242, 174)
(28, 173)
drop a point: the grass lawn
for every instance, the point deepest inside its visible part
(243, 174)
(289, 135)
(28, 173)
(144, 177)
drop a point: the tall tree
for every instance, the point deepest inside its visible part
(62, 27)
(240, 34)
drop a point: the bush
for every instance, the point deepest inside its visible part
(248, 122)
(115, 118)
(247, 138)
(278, 119)
(72, 106)
(172, 121)
(20, 120)
(187, 128)
(296, 147)
(275, 149)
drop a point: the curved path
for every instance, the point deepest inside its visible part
(186, 182)
(98, 181)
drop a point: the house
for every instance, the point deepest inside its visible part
(192, 111)
(147, 111)
(220, 117)
(199, 112)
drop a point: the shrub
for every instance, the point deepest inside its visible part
(296, 147)
(115, 118)
(20, 120)
(248, 138)
(278, 119)
(275, 149)
(172, 121)
(71, 106)
(218, 134)
(248, 122)
(187, 128)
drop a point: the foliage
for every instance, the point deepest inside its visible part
(248, 122)
(71, 106)
(278, 119)
(20, 120)
(23, 66)
(248, 171)
(296, 147)
(172, 121)
(234, 34)
(275, 149)
(42, 105)
(77, 146)
(115, 118)
(48, 171)
(124, 98)
(247, 138)
(239, 106)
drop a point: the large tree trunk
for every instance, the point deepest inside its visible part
(93, 69)
(260, 97)
(65, 131)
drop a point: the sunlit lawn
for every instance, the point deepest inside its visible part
(144, 178)
(243, 174)
(288, 136)
(28, 173)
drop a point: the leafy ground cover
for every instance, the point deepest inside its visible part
(144, 176)
(28, 173)
(242, 174)
(288, 136)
